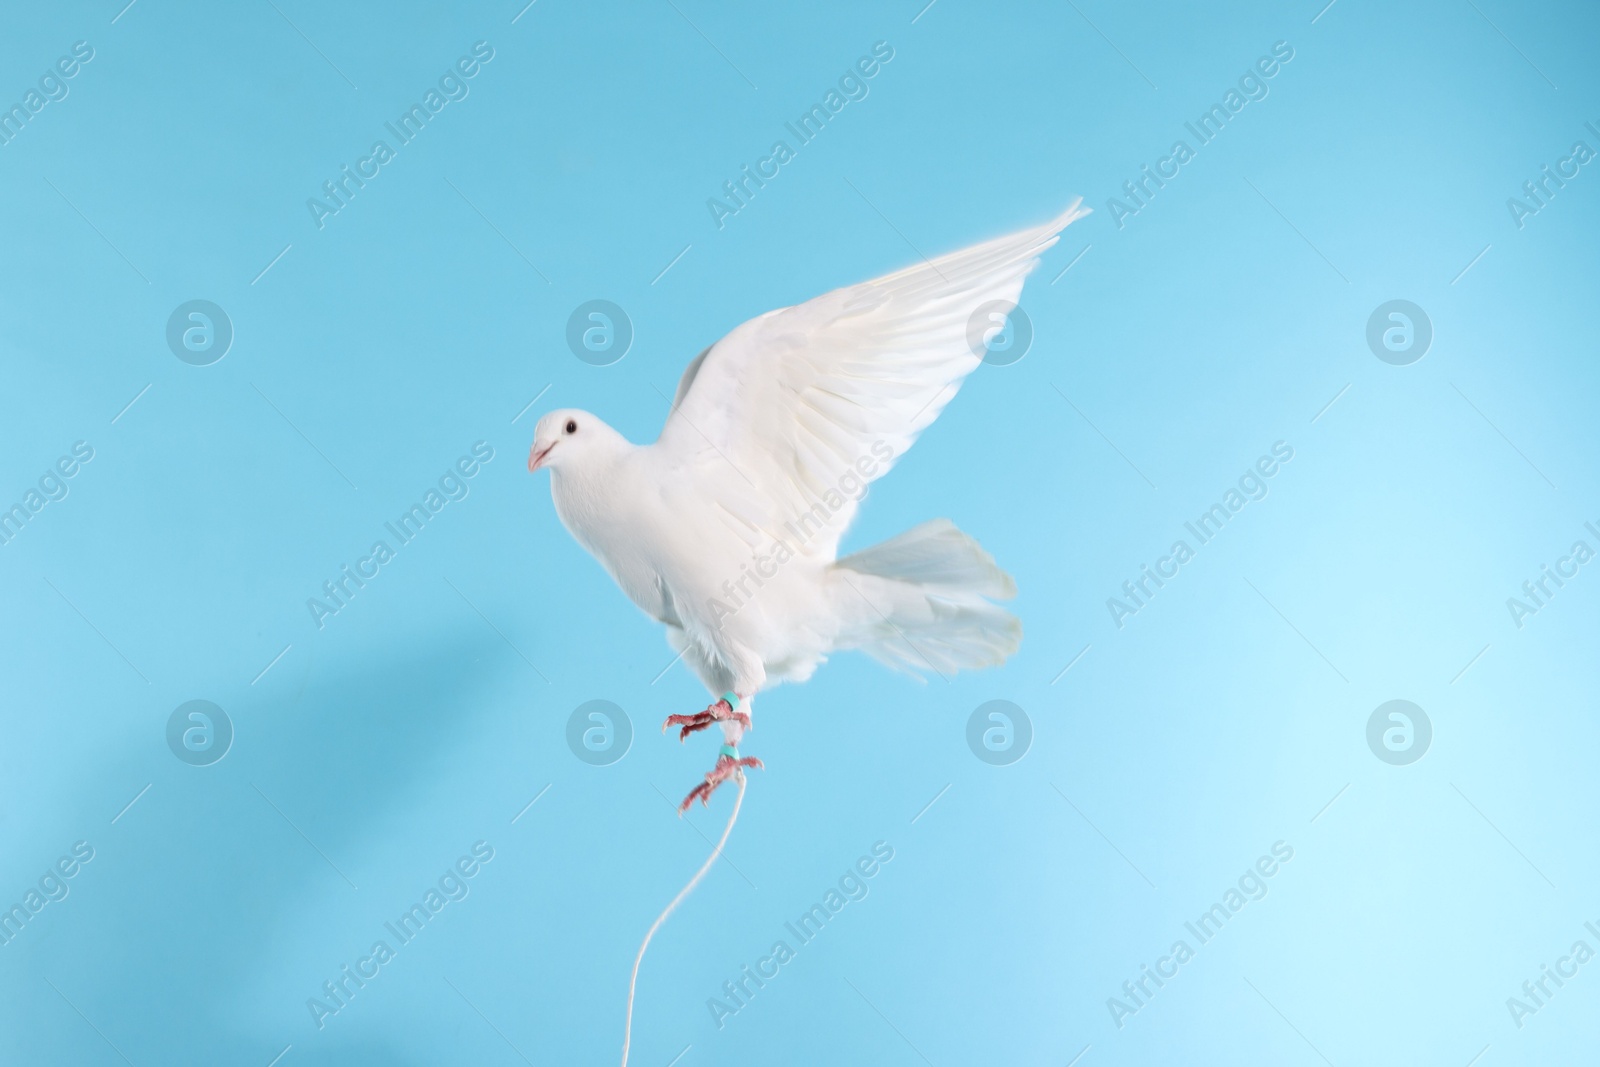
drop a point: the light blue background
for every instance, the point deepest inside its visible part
(1219, 320)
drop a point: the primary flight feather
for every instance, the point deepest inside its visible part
(726, 529)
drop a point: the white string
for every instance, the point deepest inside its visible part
(633, 980)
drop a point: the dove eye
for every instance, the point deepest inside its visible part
(572, 426)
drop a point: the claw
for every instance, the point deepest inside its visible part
(701, 719)
(690, 723)
(727, 768)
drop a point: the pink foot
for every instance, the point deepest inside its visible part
(727, 767)
(701, 719)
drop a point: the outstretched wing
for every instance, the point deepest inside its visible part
(809, 403)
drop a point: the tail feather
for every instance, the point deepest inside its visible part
(921, 601)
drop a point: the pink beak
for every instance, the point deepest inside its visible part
(537, 455)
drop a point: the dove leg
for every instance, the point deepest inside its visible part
(727, 768)
(730, 765)
(721, 711)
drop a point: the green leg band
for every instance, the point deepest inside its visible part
(732, 699)
(730, 751)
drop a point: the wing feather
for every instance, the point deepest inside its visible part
(809, 403)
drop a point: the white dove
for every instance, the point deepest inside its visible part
(726, 529)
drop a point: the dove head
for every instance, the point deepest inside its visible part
(568, 439)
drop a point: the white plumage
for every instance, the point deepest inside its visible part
(726, 529)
